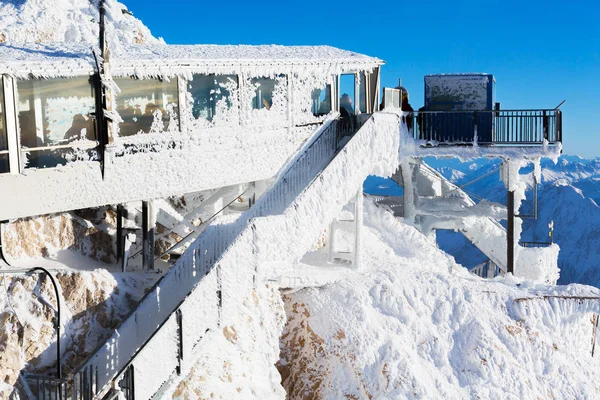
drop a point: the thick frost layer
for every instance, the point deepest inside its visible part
(405, 327)
(73, 21)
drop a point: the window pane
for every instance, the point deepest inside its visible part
(3, 163)
(212, 94)
(147, 105)
(3, 138)
(362, 93)
(321, 101)
(263, 94)
(347, 97)
(54, 112)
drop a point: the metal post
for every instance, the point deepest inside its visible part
(147, 236)
(510, 233)
(179, 318)
(120, 247)
(545, 124)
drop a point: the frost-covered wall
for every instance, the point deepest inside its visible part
(242, 141)
(153, 171)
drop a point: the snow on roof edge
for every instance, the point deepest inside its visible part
(60, 59)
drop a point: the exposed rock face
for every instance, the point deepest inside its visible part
(88, 231)
(93, 303)
(306, 358)
(238, 361)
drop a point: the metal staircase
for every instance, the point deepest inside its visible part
(189, 299)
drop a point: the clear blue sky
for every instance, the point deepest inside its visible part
(540, 51)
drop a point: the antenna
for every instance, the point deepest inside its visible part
(399, 81)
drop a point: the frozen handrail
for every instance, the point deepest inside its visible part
(529, 127)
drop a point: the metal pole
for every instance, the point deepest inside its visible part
(510, 233)
(120, 247)
(147, 236)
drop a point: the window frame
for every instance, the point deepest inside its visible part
(84, 145)
(190, 112)
(179, 97)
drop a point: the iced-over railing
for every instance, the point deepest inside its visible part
(195, 271)
(497, 127)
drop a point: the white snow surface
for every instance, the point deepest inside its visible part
(413, 324)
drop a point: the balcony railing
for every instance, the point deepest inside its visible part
(499, 127)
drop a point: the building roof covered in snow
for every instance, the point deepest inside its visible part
(67, 59)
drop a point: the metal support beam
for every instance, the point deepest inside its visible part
(148, 226)
(510, 233)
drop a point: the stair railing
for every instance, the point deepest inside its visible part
(112, 357)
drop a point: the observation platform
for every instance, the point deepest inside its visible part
(79, 131)
(461, 111)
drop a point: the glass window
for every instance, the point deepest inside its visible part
(52, 114)
(3, 138)
(212, 94)
(263, 93)
(147, 105)
(321, 101)
(347, 94)
(362, 93)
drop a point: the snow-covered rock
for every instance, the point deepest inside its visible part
(413, 324)
(73, 21)
(92, 304)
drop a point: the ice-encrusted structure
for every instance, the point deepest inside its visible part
(222, 293)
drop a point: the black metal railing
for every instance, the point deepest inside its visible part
(499, 127)
(47, 387)
(127, 384)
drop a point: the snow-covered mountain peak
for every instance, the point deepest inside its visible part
(73, 21)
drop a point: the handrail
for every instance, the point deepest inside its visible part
(486, 127)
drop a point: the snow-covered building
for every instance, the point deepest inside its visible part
(280, 137)
(236, 113)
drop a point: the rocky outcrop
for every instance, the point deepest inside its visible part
(88, 231)
(93, 303)
(237, 362)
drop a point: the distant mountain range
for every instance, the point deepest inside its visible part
(569, 195)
